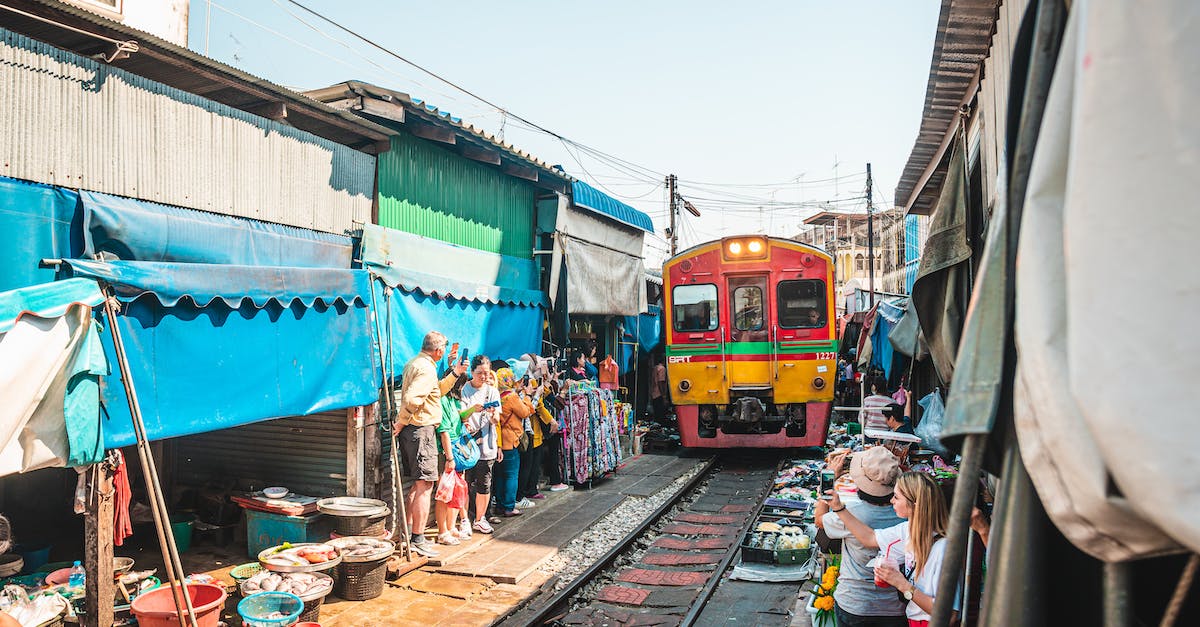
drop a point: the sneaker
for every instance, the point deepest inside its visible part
(482, 526)
(559, 487)
(423, 548)
(510, 514)
(448, 538)
(539, 496)
(464, 529)
(525, 503)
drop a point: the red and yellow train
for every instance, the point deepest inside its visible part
(751, 343)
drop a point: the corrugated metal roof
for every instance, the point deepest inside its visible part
(589, 197)
(424, 112)
(963, 40)
(178, 67)
(79, 123)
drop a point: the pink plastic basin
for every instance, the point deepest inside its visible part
(156, 608)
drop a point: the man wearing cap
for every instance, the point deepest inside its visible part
(859, 601)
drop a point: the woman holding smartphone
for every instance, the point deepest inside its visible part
(921, 538)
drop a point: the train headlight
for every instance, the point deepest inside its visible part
(685, 385)
(819, 383)
(745, 248)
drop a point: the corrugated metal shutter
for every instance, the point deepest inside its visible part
(428, 190)
(71, 121)
(307, 454)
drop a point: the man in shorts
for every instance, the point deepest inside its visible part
(420, 413)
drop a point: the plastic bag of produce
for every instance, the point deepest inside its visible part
(460, 492)
(445, 487)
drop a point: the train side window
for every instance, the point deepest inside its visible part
(748, 308)
(801, 304)
(694, 307)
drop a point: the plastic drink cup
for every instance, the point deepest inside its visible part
(885, 557)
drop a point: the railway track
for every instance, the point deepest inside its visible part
(666, 570)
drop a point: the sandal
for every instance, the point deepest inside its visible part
(510, 514)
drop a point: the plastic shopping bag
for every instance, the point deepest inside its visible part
(459, 501)
(930, 427)
(445, 487)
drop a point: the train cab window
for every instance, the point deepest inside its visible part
(801, 304)
(694, 307)
(747, 307)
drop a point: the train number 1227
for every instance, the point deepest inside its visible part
(826, 356)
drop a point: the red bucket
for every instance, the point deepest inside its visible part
(156, 608)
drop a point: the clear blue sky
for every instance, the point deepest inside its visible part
(739, 99)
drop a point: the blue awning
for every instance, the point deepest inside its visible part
(213, 346)
(436, 268)
(590, 198)
(139, 230)
(204, 283)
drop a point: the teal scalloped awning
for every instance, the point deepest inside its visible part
(590, 198)
(435, 268)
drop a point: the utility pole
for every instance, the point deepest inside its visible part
(870, 240)
(673, 208)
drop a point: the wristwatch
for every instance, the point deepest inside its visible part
(908, 594)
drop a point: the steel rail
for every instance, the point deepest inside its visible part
(711, 585)
(550, 610)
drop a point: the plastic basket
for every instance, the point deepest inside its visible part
(245, 571)
(312, 610)
(360, 525)
(360, 581)
(255, 609)
(756, 554)
(792, 556)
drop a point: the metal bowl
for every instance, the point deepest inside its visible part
(122, 565)
(307, 568)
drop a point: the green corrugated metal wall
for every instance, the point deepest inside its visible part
(428, 190)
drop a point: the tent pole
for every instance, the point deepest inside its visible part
(158, 509)
(397, 479)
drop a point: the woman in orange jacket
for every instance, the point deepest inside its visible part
(514, 409)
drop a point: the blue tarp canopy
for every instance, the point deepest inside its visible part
(36, 222)
(588, 197)
(130, 229)
(213, 346)
(489, 304)
(496, 330)
(646, 330)
(888, 314)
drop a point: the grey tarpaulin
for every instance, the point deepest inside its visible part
(935, 294)
(1106, 284)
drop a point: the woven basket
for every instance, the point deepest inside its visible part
(360, 581)
(312, 610)
(360, 525)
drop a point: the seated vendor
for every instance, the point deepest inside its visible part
(896, 419)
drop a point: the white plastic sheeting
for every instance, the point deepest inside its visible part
(605, 275)
(36, 358)
(1107, 286)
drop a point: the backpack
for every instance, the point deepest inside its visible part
(465, 452)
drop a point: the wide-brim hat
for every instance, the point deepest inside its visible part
(875, 471)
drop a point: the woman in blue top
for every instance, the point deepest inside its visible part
(450, 430)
